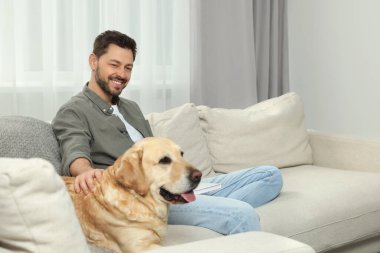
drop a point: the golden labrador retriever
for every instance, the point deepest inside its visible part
(128, 211)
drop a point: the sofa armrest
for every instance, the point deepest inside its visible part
(258, 242)
(344, 152)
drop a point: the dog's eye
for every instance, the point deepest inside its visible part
(182, 153)
(165, 160)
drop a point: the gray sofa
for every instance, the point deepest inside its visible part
(328, 202)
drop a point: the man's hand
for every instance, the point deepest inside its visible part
(85, 175)
(86, 180)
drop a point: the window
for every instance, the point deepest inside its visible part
(45, 47)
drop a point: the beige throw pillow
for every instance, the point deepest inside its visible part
(268, 133)
(181, 124)
(36, 212)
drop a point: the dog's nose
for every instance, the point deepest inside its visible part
(195, 176)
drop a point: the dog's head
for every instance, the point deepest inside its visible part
(156, 164)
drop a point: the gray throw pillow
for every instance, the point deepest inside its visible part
(26, 137)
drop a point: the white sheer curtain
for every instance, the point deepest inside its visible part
(44, 48)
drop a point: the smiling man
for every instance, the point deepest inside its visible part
(96, 126)
(80, 124)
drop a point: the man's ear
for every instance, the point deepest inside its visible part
(93, 61)
(129, 172)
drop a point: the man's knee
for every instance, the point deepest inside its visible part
(277, 179)
(243, 219)
(274, 177)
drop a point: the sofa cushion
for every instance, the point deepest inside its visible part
(324, 208)
(257, 242)
(268, 133)
(26, 137)
(36, 212)
(181, 124)
(179, 234)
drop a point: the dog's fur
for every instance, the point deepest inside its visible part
(128, 210)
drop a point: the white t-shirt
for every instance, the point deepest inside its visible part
(133, 133)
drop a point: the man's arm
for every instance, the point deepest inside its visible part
(84, 175)
(74, 138)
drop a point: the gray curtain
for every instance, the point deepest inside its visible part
(239, 51)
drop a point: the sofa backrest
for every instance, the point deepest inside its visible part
(218, 140)
(181, 124)
(271, 132)
(26, 137)
(215, 140)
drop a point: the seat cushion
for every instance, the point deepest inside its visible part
(325, 208)
(268, 133)
(257, 242)
(179, 234)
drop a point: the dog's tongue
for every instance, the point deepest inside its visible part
(188, 196)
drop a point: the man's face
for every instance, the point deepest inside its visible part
(113, 70)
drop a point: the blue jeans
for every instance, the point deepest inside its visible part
(230, 210)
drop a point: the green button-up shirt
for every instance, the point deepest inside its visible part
(85, 127)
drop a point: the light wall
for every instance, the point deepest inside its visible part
(334, 51)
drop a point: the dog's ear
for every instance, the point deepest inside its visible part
(129, 172)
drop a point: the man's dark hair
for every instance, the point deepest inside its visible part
(106, 38)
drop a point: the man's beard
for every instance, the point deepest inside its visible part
(104, 86)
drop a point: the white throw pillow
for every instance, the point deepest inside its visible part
(36, 212)
(268, 133)
(181, 124)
